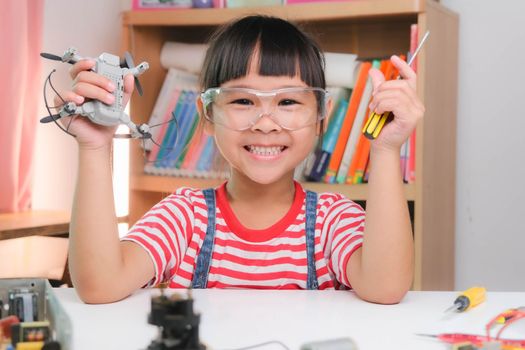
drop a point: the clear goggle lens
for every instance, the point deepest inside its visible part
(241, 108)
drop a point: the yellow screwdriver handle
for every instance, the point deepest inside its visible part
(375, 121)
(374, 125)
(476, 295)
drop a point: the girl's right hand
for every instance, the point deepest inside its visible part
(88, 85)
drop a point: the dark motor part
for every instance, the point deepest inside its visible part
(178, 323)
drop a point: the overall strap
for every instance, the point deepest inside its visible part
(203, 261)
(311, 213)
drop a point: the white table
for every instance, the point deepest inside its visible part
(237, 318)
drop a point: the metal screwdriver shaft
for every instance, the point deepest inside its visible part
(375, 122)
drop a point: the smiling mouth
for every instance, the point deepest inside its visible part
(265, 151)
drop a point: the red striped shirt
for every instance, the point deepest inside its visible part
(172, 233)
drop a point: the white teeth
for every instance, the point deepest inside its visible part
(265, 151)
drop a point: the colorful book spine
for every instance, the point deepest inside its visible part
(414, 32)
(192, 147)
(167, 145)
(355, 132)
(291, 2)
(160, 5)
(162, 129)
(206, 155)
(411, 177)
(191, 165)
(411, 171)
(403, 159)
(187, 141)
(344, 133)
(252, 3)
(360, 160)
(185, 122)
(175, 80)
(322, 157)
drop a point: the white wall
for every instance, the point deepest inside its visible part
(490, 228)
(92, 27)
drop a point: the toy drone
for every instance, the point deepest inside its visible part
(98, 112)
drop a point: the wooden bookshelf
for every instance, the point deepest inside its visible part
(370, 28)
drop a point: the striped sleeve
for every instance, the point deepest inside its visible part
(342, 232)
(164, 232)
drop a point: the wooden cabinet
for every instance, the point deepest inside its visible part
(370, 28)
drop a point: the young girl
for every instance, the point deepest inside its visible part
(264, 102)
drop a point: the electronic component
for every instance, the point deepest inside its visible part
(30, 332)
(98, 112)
(331, 344)
(178, 324)
(39, 345)
(468, 299)
(32, 299)
(23, 303)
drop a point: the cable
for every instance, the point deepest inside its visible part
(262, 344)
(48, 80)
(168, 149)
(116, 136)
(52, 87)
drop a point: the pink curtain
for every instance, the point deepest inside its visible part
(20, 89)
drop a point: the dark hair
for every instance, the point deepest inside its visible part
(282, 48)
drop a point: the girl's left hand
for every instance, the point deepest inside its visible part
(399, 97)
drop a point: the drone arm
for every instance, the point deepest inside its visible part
(137, 70)
(71, 56)
(136, 131)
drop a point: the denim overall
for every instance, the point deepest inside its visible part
(202, 266)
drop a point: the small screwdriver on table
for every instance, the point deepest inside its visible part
(468, 299)
(375, 121)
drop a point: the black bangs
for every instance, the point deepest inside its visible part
(282, 49)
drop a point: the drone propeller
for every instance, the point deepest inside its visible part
(50, 118)
(128, 63)
(50, 56)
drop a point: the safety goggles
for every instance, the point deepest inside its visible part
(240, 108)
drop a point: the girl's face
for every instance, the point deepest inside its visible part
(265, 153)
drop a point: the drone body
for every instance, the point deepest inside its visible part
(99, 112)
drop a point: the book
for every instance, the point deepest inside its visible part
(174, 81)
(160, 4)
(355, 132)
(191, 150)
(290, 2)
(252, 3)
(162, 128)
(403, 157)
(190, 163)
(353, 104)
(322, 156)
(411, 166)
(206, 155)
(185, 122)
(167, 145)
(187, 141)
(359, 161)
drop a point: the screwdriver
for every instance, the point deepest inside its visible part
(468, 299)
(376, 121)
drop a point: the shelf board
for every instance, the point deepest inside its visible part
(300, 12)
(354, 192)
(168, 184)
